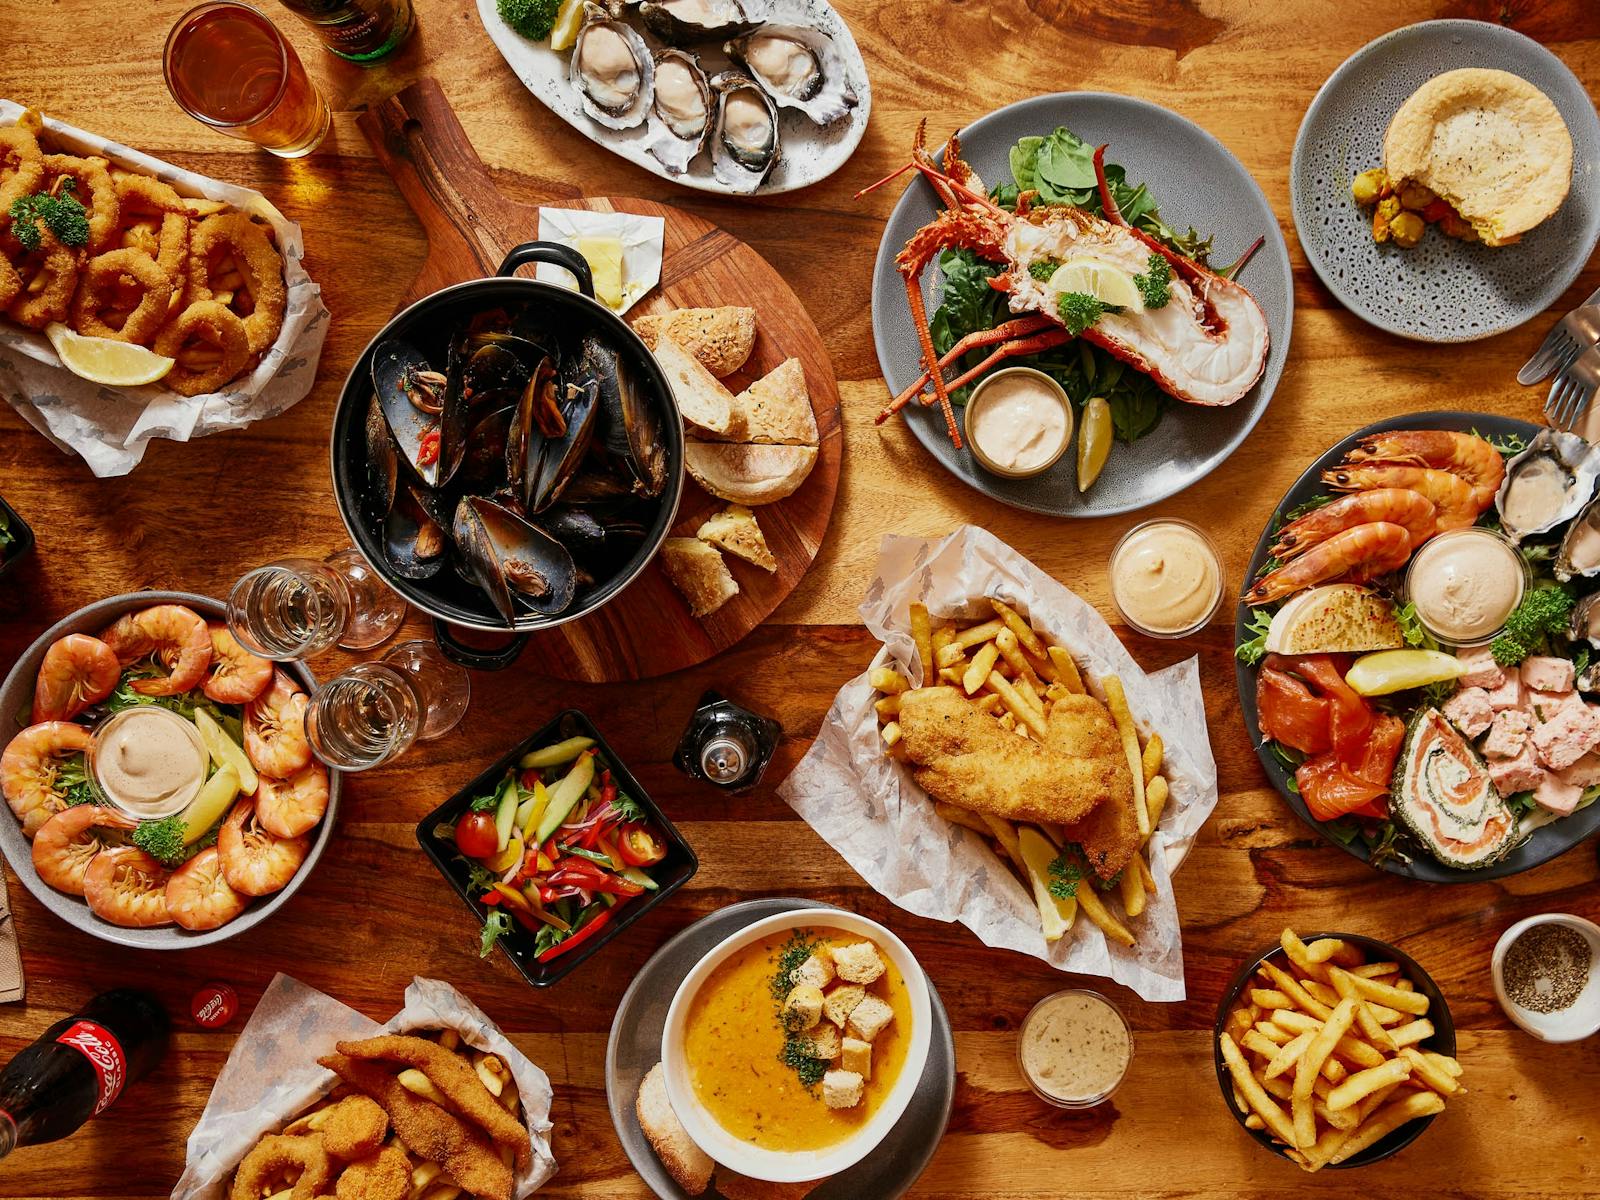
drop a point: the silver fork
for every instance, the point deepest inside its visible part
(1573, 390)
(1569, 337)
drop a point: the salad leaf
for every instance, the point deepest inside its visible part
(1254, 649)
(495, 926)
(1024, 155)
(1411, 628)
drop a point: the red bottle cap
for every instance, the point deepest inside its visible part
(213, 1006)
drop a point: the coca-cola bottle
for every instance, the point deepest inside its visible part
(79, 1067)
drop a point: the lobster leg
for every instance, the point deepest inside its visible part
(983, 337)
(1047, 340)
(919, 318)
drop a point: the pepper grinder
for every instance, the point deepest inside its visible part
(726, 745)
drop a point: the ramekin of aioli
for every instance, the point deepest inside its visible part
(148, 762)
(1019, 422)
(1166, 578)
(1074, 1047)
(1465, 583)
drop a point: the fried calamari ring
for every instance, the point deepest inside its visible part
(95, 192)
(21, 166)
(10, 282)
(198, 370)
(152, 218)
(385, 1175)
(49, 277)
(275, 1156)
(355, 1128)
(108, 282)
(259, 293)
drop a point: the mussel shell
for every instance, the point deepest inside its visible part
(675, 22)
(1578, 466)
(674, 141)
(493, 370)
(560, 457)
(742, 163)
(395, 368)
(612, 106)
(383, 459)
(819, 90)
(484, 465)
(413, 537)
(588, 534)
(515, 563)
(630, 425)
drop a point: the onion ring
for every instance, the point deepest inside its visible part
(10, 281)
(21, 167)
(259, 262)
(212, 323)
(141, 198)
(49, 278)
(94, 191)
(120, 271)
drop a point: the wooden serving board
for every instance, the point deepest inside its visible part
(646, 630)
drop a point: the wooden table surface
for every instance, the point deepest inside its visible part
(375, 914)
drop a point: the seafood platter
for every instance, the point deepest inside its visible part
(1416, 644)
(1150, 352)
(161, 791)
(730, 96)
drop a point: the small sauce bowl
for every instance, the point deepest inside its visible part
(1581, 1018)
(975, 404)
(1432, 544)
(1216, 562)
(1038, 1087)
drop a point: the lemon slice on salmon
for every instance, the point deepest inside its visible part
(568, 21)
(1106, 283)
(1396, 670)
(106, 360)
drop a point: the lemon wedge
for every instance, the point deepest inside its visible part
(1396, 670)
(225, 752)
(568, 21)
(106, 360)
(1107, 284)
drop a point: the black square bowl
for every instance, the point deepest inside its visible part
(672, 872)
(21, 536)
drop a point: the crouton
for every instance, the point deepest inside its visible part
(858, 963)
(688, 1165)
(867, 1019)
(802, 1008)
(856, 1055)
(816, 970)
(823, 1042)
(842, 1089)
(838, 1004)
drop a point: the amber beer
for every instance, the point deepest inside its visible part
(227, 65)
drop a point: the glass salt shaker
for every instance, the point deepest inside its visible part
(727, 745)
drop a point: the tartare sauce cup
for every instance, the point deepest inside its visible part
(1038, 1089)
(975, 404)
(1216, 562)
(1411, 584)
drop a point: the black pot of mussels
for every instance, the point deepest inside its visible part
(507, 455)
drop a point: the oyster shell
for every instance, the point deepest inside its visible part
(682, 111)
(612, 70)
(684, 22)
(1580, 548)
(1546, 484)
(799, 68)
(1586, 624)
(744, 142)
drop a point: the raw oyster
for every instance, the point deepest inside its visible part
(681, 114)
(1546, 484)
(744, 143)
(1580, 548)
(799, 68)
(612, 70)
(684, 22)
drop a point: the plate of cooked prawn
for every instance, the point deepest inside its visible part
(160, 789)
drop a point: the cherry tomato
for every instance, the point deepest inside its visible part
(640, 847)
(476, 836)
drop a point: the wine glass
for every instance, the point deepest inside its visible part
(297, 608)
(373, 712)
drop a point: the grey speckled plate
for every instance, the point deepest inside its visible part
(635, 1046)
(1443, 290)
(16, 696)
(1197, 182)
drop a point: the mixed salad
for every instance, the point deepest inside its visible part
(557, 847)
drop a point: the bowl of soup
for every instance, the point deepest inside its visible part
(793, 1047)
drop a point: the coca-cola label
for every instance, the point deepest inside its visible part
(104, 1052)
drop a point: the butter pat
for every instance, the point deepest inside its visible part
(604, 255)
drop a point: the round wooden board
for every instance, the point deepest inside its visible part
(647, 629)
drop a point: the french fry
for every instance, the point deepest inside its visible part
(1237, 1025)
(950, 675)
(1270, 998)
(1067, 673)
(1371, 1028)
(989, 703)
(1320, 991)
(1374, 970)
(1132, 887)
(1334, 1028)
(1008, 720)
(1011, 650)
(1275, 1034)
(1254, 1121)
(949, 655)
(1117, 702)
(1155, 799)
(1154, 752)
(887, 706)
(974, 635)
(1018, 626)
(891, 733)
(943, 635)
(1097, 912)
(1145, 877)
(1286, 982)
(1024, 711)
(977, 671)
(1288, 1054)
(960, 816)
(887, 680)
(1297, 953)
(1042, 667)
(1444, 1063)
(1321, 1152)
(1393, 996)
(1386, 1120)
(1321, 950)
(1363, 1083)
(922, 635)
(1440, 1081)
(1005, 833)
(1404, 985)
(1254, 1094)
(417, 1083)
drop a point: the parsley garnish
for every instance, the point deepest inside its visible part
(1064, 877)
(1156, 285)
(1079, 310)
(796, 1055)
(790, 955)
(1043, 269)
(62, 215)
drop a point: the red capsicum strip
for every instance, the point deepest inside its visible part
(580, 937)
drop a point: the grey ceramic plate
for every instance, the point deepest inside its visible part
(635, 1047)
(16, 696)
(1443, 290)
(1546, 841)
(1197, 182)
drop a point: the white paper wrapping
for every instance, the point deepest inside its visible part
(867, 807)
(111, 427)
(643, 239)
(272, 1074)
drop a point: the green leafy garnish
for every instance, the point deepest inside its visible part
(1412, 631)
(1344, 830)
(1304, 508)
(1043, 269)
(1254, 648)
(791, 955)
(533, 19)
(162, 840)
(61, 214)
(485, 803)
(72, 781)
(1065, 875)
(495, 926)
(1543, 614)
(796, 1055)
(1079, 310)
(1520, 804)
(627, 807)
(1156, 285)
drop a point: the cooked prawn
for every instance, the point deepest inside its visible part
(237, 676)
(254, 861)
(289, 807)
(1399, 506)
(275, 729)
(1355, 555)
(67, 843)
(198, 894)
(127, 887)
(1463, 454)
(175, 635)
(1453, 497)
(77, 672)
(30, 770)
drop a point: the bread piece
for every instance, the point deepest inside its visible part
(734, 1186)
(701, 398)
(838, 1004)
(842, 1089)
(857, 963)
(802, 1008)
(775, 408)
(816, 970)
(856, 1055)
(720, 338)
(823, 1042)
(688, 1165)
(698, 571)
(749, 475)
(735, 530)
(868, 1019)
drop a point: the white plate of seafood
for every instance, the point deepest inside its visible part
(737, 97)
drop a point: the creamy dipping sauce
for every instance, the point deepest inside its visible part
(1017, 421)
(149, 762)
(1465, 584)
(1165, 578)
(1074, 1048)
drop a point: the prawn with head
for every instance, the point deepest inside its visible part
(173, 636)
